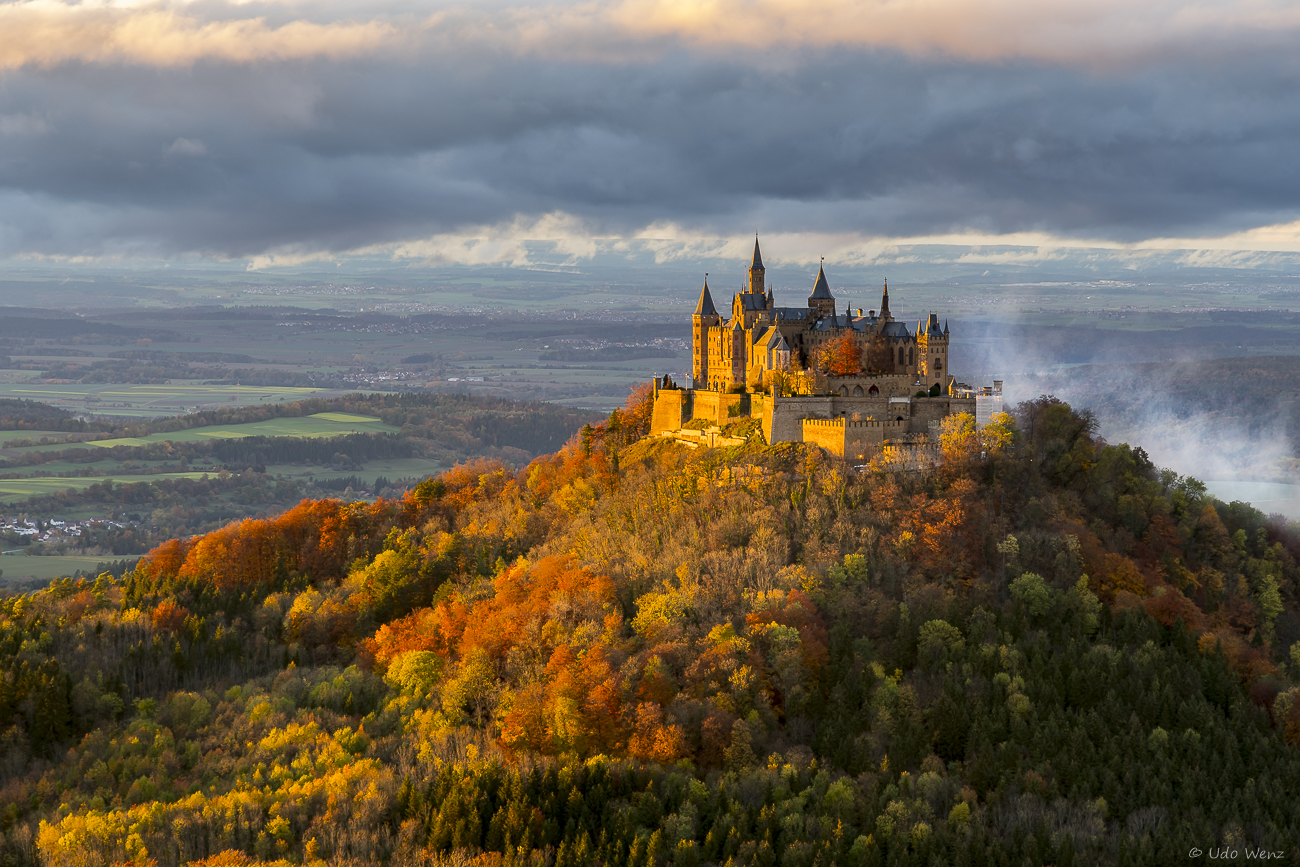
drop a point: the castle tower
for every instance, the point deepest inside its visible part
(821, 300)
(738, 354)
(932, 346)
(884, 305)
(705, 317)
(757, 273)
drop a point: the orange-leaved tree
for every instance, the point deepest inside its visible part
(571, 699)
(839, 356)
(316, 539)
(637, 411)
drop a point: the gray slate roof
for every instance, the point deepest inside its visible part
(821, 289)
(705, 307)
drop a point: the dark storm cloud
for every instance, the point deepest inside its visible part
(235, 159)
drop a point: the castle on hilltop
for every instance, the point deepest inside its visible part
(760, 338)
(855, 383)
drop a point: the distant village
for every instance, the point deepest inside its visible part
(24, 531)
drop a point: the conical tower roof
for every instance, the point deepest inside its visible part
(705, 307)
(884, 303)
(758, 258)
(821, 289)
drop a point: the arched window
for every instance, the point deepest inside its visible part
(844, 391)
(900, 355)
(873, 391)
(857, 391)
(909, 356)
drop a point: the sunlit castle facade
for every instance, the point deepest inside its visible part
(853, 382)
(739, 352)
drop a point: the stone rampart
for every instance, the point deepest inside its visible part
(672, 409)
(783, 416)
(864, 421)
(927, 410)
(886, 384)
(852, 439)
(719, 408)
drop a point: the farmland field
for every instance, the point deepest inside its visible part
(391, 468)
(324, 424)
(18, 567)
(146, 400)
(12, 490)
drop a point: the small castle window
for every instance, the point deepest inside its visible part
(938, 364)
(873, 391)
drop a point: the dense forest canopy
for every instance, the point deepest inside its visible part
(1046, 650)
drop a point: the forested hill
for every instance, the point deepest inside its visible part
(1047, 651)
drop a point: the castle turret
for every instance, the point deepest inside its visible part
(884, 305)
(757, 273)
(932, 343)
(821, 300)
(706, 317)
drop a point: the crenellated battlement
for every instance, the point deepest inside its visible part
(849, 424)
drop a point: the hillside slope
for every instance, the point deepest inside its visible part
(1046, 652)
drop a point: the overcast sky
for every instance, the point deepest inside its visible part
(283, 132)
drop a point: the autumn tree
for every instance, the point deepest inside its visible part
(637, 411)
(839, 356)
(878, 357)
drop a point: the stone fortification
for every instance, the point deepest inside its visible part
(744, 366)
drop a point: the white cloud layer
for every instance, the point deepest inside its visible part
(43, 33)
(564, 239)
(1095, 33)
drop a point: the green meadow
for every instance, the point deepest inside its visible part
(19, 567)
(322, 424)
(389, 468)
(149, 401)
(20, 489)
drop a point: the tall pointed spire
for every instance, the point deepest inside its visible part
(884, 303)
(705, 307)
(756, 271)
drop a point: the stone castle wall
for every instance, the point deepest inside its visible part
(721, 408)
(783, 418)
(673, 408)
(887, 385)
(852, 439)
(928, 410)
